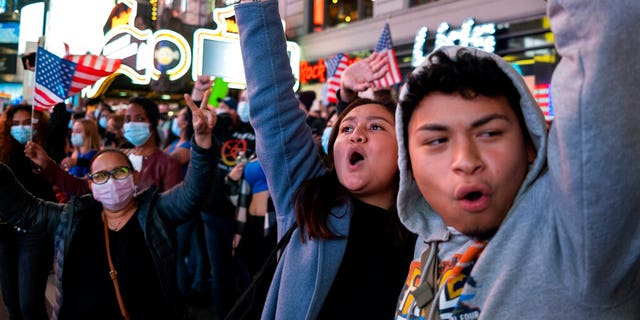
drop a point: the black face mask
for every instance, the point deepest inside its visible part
(110, 136)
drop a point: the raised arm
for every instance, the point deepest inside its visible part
(20, 208)
(186, 198)
(284, 145)
(594, 142)
(53, 173)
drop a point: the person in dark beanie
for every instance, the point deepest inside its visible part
(316, 124)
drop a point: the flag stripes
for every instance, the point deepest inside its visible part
(59, 78)
(385, 46)
(335, 65)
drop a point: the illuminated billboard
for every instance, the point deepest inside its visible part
(217, 52)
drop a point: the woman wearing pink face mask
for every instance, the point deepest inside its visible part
(155, 167)
(114, 231)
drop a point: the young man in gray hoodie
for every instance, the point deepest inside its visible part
(515, 222)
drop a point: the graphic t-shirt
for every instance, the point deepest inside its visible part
(452, 275)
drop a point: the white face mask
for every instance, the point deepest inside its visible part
(136, 161)
(77, 140)
(175, 128)
(326, 135)
(114, 194)
(243, 111)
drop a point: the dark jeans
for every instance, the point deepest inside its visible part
(218, 233)
(254, 249)
(25, 262)
(193, 264)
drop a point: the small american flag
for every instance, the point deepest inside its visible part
(542, 94)
(335, 65)
(60, 78)
(385, 46)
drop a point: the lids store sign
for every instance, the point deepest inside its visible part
(470, 34)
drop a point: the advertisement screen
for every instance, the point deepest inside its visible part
(223, 59)
(9, 32)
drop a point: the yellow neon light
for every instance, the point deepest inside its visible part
(185, 54)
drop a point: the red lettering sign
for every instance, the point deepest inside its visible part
(312, 72)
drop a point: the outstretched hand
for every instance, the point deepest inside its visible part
(360, 75)
(203, 120)
(36, 154)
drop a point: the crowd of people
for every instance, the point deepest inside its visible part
(452, 199)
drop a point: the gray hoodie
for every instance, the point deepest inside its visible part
(570, 244)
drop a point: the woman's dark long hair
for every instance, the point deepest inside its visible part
(315, 197)
(8, 145)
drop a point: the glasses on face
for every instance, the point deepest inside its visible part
(102, 177)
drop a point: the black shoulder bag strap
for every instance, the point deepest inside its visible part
(251, 302)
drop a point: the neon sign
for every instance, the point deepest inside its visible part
(145, 54)
(481, 36)
(317, 71)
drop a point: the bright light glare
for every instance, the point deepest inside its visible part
(83, 33)
(31, 24)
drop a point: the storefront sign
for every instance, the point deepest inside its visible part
(481, 36)
(313, 72)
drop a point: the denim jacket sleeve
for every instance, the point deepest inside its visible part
(185, 199)
(284, 144)
(20, 208)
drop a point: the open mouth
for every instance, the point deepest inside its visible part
(472, 196)
(355, 158)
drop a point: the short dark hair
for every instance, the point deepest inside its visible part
(468, 75)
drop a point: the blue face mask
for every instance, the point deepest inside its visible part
(77, 140)
(243, 111)
(103, 122)
(326, 134)
(21, 133)
(174, 127)
(96, 113)
(137, 132)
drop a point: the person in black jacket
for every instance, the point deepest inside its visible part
(25, 255)
(134, 229)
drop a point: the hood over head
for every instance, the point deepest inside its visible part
(415, 213)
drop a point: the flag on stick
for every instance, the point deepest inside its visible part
(60, 78)
(385, 46)
(335, 65)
